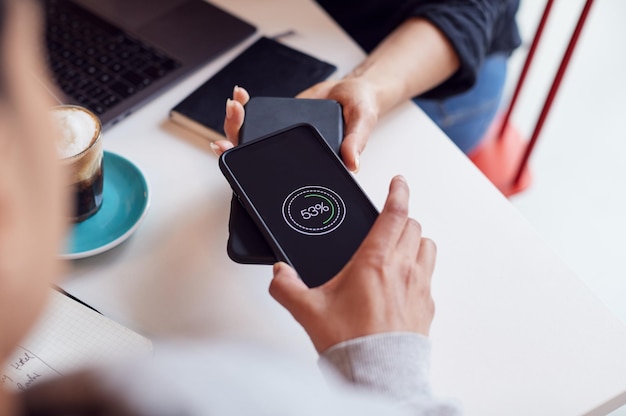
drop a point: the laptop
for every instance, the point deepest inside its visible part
(112, 56)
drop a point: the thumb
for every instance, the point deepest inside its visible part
(350, 152)
(289, 290)
(359, 125)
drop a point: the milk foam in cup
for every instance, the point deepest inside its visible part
(80, 150)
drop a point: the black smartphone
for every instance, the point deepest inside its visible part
(265, 115)
(308, 206)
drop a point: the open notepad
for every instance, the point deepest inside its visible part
(69, 336)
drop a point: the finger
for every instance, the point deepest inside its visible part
(359, 125)
(350, 156)
(220, 146)
(391, 222)
(409, 242)
(289, 290)
(235, 114)
(427, 256)
(241, 95)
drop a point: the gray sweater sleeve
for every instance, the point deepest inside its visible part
(393, 364)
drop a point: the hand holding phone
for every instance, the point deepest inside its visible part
(384, 288)
(308, 206)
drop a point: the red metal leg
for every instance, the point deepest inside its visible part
(526, 67)
(553, 90)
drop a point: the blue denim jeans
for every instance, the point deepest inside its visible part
(466, 117)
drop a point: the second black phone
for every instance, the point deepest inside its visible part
(266, 115)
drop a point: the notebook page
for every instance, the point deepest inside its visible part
(67, 337)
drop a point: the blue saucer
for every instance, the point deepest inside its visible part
(125, 202)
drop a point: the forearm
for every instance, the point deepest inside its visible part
(414, 58)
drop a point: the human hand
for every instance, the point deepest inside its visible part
(385, 287)
(360, 115)
(235, 114)
(360, 112)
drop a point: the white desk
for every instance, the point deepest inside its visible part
(515, 333)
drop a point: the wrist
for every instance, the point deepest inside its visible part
(384, 91)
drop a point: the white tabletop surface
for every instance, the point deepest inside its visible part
(515, 332)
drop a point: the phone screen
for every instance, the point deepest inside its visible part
(314, 214)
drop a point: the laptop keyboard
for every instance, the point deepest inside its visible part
(95, 63)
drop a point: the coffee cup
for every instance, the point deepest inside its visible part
(80, 150)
